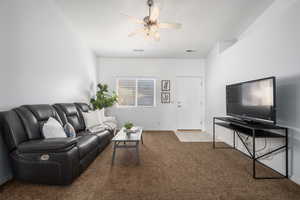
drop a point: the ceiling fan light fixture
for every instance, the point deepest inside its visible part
(151, 23)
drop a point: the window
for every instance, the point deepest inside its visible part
(126, 92)
(136, 92)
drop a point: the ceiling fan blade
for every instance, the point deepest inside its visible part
(137, 31)
(154, 14)
(157, 36)
(154, 28)
(134, 19)
(170, 25)
(153, 34)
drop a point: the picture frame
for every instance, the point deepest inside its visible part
(165, 97)
(165, 85)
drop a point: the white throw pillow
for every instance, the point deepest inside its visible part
(101, 115)
(53, 129)
(91, 119)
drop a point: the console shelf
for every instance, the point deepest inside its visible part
(254, 131)
(246, 131)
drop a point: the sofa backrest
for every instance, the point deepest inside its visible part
(33, 118)
(69, 114)
(25, 123)
(12, 129)
(82, 107)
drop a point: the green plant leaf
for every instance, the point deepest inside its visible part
(103, 98)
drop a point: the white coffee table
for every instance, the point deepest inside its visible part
(122, 140)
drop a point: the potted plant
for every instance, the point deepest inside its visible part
(103, 98)
(128, 126)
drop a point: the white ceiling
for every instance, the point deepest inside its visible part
(205, 22)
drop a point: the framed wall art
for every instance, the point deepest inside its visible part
(165, 97)
(165, 85)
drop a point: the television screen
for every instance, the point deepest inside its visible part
(252, 100)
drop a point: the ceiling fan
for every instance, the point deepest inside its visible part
(151, 24)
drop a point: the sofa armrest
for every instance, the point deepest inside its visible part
(50, 145)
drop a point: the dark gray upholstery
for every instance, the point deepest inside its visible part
(13, 129)
(49, 161)
(82, 107)
(68, 113)
(46, 145)
(72, 113)
(86, 144)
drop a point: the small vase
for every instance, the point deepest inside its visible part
(127, 131)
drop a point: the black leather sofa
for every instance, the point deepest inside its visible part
(50, 161)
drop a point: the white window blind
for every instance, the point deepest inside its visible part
(136, 92)
(127, 92)
(145, 92)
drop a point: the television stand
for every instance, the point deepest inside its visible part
(254, 130)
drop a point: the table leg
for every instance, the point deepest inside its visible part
(214, 144)
(137, 152)
(114, 153)
(142, 139)
(253, 156)
(286, 154)
(233, 139)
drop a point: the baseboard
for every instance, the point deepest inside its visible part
(168, 131)
(189, 130)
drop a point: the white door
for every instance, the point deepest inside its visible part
(189, 93)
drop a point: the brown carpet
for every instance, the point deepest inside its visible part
(169, 170)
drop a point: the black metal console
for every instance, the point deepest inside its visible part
(255, 131)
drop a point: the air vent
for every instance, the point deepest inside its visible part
(190, 50)
(138, 50)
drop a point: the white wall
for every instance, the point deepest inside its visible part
(41, 60)
(270, 47)
(163, 116)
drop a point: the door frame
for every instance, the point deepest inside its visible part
(202, 89)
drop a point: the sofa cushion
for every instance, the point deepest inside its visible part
(43, 111)
(69, 109)
(68, 113)
(103, 135)
(86, 144)
(82, 107)
(34, 116)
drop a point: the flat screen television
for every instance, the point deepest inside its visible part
(252, 100)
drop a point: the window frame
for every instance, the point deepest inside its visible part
(136, 79)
